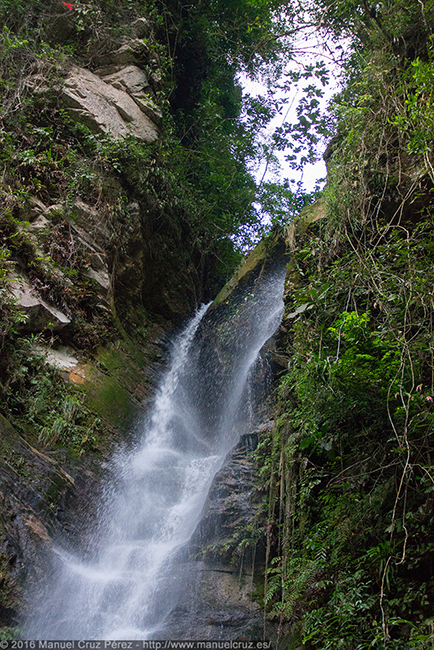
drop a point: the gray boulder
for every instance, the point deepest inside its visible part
(40, 315)
(149, 107)
(131, 79)
(135, 82)
(104, 108)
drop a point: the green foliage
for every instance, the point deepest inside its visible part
(280, 204)
(416, 122)
(9, 633)
(348, 470)
(39, 400)
(355, 453)
(193, 188)
(10, 316)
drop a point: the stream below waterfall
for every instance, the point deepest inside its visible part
(131, 580)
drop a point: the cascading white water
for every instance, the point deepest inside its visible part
(122, 590)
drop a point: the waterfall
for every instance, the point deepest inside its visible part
(127, 585)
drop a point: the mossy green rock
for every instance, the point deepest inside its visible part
(117, 382)
(268, 250)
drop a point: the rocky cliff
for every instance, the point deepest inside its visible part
(93, 272)
(120, 194)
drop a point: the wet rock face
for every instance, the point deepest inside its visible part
(229, 506)
(224, 589)
(216, 606)
(218, 596)
(225, 556)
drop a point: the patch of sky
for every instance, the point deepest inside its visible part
(296, 137)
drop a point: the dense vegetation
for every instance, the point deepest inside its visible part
(348, 468)
(186, 202)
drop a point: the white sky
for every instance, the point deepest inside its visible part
(310, 49)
